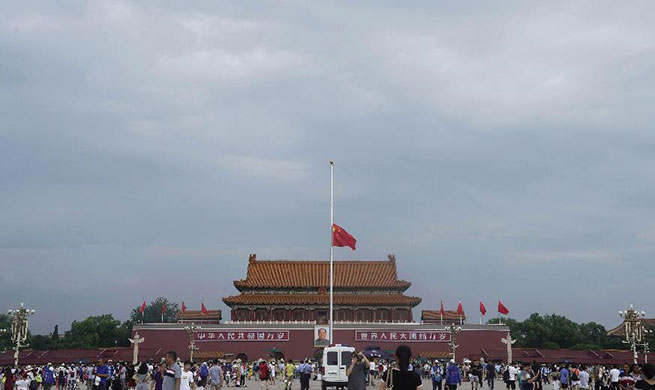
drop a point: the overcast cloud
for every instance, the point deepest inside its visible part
(501, 150)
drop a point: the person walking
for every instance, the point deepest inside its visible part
(215, 376)
(173, 372)
(453, 376)
(565, 378)
(263, 374)
(142, 377)
(491, 375)
(101, 374)
(289, 371)
(401, 377)
(436, 374)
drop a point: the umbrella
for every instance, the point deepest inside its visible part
(274, 352)
(373, 351)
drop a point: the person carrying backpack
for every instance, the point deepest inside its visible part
(453, 376)
(436, 374)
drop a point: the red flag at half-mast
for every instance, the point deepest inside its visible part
(460, 309)
(483, 309)
(183, 307)
(142, 309)
(502, 309)
(442, 311)
(203, 309)
(340, 237)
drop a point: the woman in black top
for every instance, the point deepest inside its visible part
(401, 377)
(648, 383)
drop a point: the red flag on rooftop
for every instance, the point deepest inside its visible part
(502, 309)
(341, 237)
(483, 309)
(203, 309)
(442, 311)
(183, 307)
(142, 309)
(460, 309)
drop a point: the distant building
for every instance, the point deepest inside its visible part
(289, 290)
(450, 317)
(197, 317)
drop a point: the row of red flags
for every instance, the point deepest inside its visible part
(203, 309)
(340, 237)
(502, 309)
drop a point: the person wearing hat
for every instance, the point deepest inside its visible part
(48, 376)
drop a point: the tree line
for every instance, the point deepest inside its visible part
(103, 331)
(552, 331)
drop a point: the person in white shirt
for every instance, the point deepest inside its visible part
(614, 378)
(513, 372)
(186, 380)
(23, 383)
(583, 378)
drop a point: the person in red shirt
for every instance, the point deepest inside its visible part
(9, 379)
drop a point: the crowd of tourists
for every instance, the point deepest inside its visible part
(400, 373)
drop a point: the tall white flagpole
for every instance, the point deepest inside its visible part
(331, 248)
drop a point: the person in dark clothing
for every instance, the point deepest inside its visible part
(491, 375)
(648, 381)
(356, 372)
(401, 378)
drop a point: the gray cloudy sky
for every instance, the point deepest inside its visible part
(500, 150)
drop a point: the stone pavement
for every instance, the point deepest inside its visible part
(316, 385)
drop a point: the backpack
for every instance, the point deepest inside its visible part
(116, 385)
(34, 385)
(452, 375)
(506, 375)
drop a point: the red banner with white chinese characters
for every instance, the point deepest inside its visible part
(429, 336)
(243, 335)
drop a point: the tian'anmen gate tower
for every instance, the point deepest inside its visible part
(290, 290)
(282, 310)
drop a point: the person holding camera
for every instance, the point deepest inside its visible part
(356, 372)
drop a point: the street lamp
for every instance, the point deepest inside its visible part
(19, 326)
(192, 342)
(452, 329)
(634, 330)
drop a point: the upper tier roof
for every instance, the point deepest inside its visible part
(316, 273)
(322, 299)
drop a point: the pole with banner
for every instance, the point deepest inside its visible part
(331, 319)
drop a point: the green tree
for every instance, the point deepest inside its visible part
(97, 332)
(55, 333)
(153, 312)
(41, 342)
(552, 331)
(5, 337)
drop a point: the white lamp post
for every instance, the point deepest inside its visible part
(634, 330)
(19, 326)
(191, 329)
